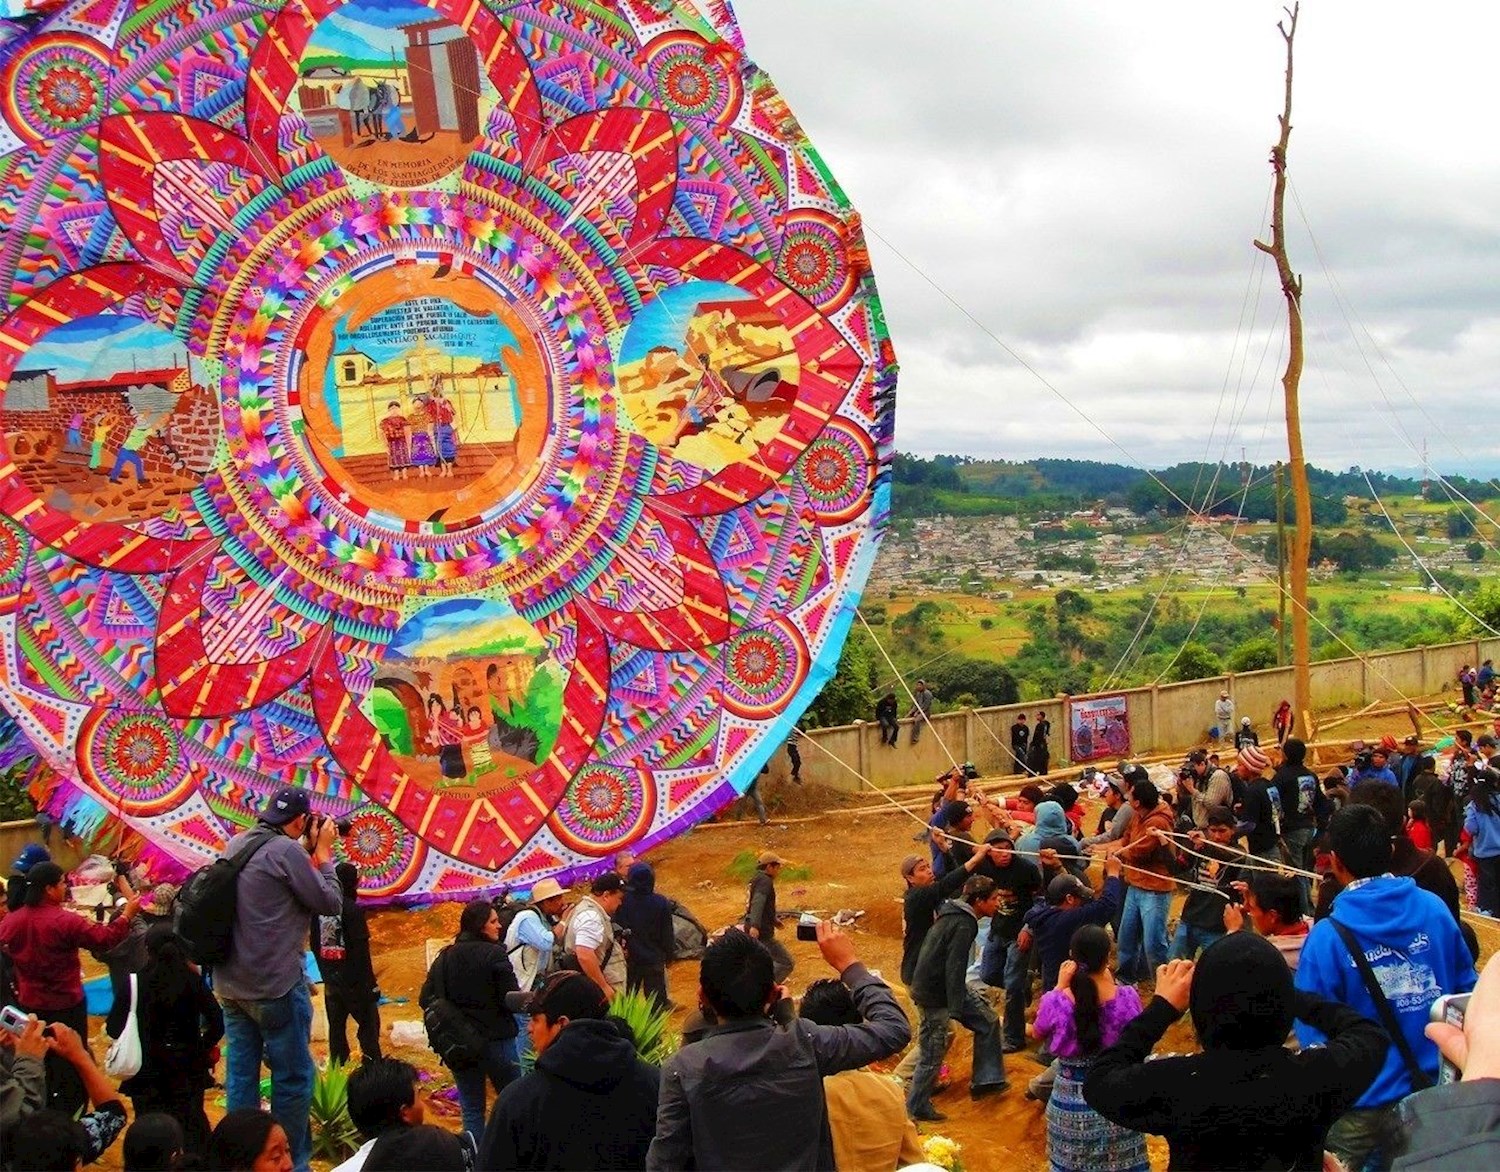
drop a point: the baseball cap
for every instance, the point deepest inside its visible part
(546, 889)
(1413, 739)
(31, 854)
(566, 994)
(953, 812)
(1063, 886)
(999, 836)
(1245, 721)
(289, 802)
(910, 864)
(1198, 756)
(1220, 816)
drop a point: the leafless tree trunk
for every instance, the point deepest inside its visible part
(1291, 288)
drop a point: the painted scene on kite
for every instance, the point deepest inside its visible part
(481, 416)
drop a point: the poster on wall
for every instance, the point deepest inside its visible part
(1098, 727)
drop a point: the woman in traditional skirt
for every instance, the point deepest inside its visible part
(1075, 1021)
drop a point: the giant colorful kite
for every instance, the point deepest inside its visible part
(478, 412)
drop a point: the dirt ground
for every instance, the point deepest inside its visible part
(853, 863)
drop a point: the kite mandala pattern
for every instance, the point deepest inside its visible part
(482, 418)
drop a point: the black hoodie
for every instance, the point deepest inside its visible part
(589, 1104)
(647, 915)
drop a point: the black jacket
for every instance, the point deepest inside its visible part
(1233, 1109)
(647, 916)
(760, 907)
(918, 911)
(341, 947)
(589, 1104)
(1452, 1128)
(1428, 871)
(938, 981)
(475, 975)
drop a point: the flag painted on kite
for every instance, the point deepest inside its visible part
(479, 413)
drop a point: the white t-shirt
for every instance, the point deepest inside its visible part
(357, 1161)
(591, 928)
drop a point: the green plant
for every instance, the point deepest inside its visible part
(648, 1024)
(742, 867)
(334, 1134)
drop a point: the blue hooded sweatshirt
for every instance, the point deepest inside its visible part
(1051, 823)
(1414, 946)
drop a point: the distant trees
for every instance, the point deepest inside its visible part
(1474, 551)
(850, 694)
(1254, 655)
(1349, 552)
(1195, 662)
(1459, 524)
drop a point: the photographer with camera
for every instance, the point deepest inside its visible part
(267, 1005)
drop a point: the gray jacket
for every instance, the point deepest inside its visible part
(1452, 1128)
(23, 1087)
(750, 1094)
(279, 893)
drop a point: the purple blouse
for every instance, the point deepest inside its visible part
(1054, 1020)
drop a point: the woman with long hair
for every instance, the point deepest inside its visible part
(1482, 826)
(180, 1023)
(475, 974)
(1081, 1017)
(43, 939)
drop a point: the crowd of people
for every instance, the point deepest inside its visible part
(1316, 930)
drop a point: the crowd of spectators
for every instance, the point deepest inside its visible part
(1312, 1002)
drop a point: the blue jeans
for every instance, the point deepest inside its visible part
(1144, 921)
(1005, 966)
(932, 1042)
(499, 1067)
(1190, 941)
(280, 1032)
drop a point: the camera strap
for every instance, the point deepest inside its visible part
(1420, 1079)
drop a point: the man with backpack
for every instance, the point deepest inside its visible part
(534, 933)
(288, 879)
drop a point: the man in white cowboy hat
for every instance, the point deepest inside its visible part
(534, 934)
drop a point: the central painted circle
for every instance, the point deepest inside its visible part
(423, 406)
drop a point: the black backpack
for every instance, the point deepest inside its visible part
(204, 920)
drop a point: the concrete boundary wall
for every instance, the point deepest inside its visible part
(1162, 718)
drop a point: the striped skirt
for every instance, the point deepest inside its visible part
(1081, 1140)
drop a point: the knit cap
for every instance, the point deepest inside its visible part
(1254, 759)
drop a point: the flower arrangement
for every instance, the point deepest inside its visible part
(942, 1151)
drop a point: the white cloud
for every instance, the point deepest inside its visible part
(1086, 179)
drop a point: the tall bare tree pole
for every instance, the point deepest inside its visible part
(1291, 288)
(1302, 504)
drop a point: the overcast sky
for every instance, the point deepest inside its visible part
(1086, 178)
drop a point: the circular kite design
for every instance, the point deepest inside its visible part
(762, 667)
(815, 261)
(477, 414)
(837, 471)
(604, 808)
(387, 856)
(56, 84)
(138, 755)
(692, 80)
